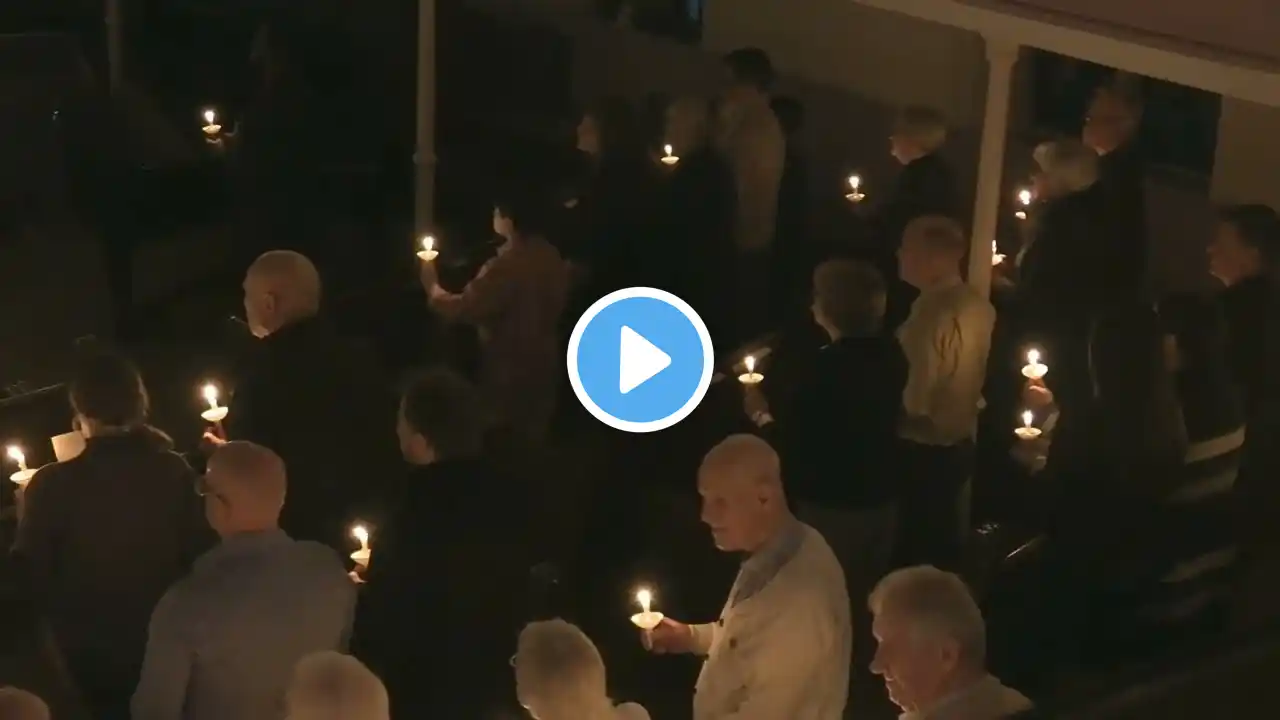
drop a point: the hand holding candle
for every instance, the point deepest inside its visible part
(1027, 431)
(428, 251)
(646, 619)
(1034, 369)
(750, 377)
(216, 413)
(20, 458)
(1025, 196)
(855, 194)
(997, 257)
(361, 556)
(668, 158)
(211, 127)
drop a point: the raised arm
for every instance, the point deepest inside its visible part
(485, 296)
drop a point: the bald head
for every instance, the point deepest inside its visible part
(18, 704)
(280, 287)
(248, 484)
(742, 496)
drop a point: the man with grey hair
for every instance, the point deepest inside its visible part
(931, 649)
(223, 641)
(781, 646)
(331, 686)
(17, 704)
(303, 388)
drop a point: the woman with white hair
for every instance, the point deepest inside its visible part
(560, 676)
(931, 649)
(332, 686)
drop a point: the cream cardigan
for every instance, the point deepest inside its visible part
(783, 653)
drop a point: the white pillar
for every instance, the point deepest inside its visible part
(425, 139)
(1001, 57)
(113, 20)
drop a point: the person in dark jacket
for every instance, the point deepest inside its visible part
(314, 398)
(796, 255)
(104, 535)
(925, 186)
(696, 208)
(1111, 129)
(449, 571)
(1242, 256)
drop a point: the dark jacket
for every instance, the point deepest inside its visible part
(446, 590)
(1245, 306)
(697, 211)
(320, 402)
(102, 537)
(609, 229)
(1122, 180)
(836, 436)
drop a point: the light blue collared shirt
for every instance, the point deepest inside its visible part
(224, 640)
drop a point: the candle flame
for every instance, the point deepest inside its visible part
(428, 243)
(1033, 357)
(750, 362)
(645, 598)
(361, 533)
(1027, 418)
(1025, 196)
(855, 182)
(210, 392)
(667, 149)
(15, 454)
(209, 117)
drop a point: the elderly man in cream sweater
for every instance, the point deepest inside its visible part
(931, 649)
(781, 646)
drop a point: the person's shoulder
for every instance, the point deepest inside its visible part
(631, 711)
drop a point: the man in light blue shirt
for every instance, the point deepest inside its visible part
(224, 641)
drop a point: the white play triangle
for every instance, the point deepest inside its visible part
(638, 360)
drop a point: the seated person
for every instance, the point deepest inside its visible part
(931, 644)
(106, 533)
(561, 676)
(224, 641)
(455, 517)
(331, 686)
(789, 600)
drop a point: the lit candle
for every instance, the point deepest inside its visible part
(361, 556)
(1034, 369)
(1027, 432)
(667, 157)
(855, 189)
(997, 257)
(216, 413)
(211, 127)
(24, 473)
(646, 619)
(750, 377)
(1024, 200)
(428, 251)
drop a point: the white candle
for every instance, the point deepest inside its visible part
(1027, 432)
(750, 377)
(1034, 369)
(855, 189)
(1024, 199)
(646, 619)
(24, 473)
(428, 251)
(361, 556)
(216, 413)
(996, 256)
(211, 127)
(667, 157)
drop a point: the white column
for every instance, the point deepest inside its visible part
(1001, 57)
(113, 20)
(425, 142)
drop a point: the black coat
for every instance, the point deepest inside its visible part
(1245, 306)
(447, 590)
(321, 403)
(1122, 181)
(836, 436)
(696, 210)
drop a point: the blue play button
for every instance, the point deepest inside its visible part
(640, 360)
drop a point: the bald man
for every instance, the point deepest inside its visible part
(319, 400)
(781, 646)
(224, 641)
(18, 704)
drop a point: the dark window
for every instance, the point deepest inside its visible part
(678, 19)
(1179, 123)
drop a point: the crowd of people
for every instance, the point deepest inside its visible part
(170, 594)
